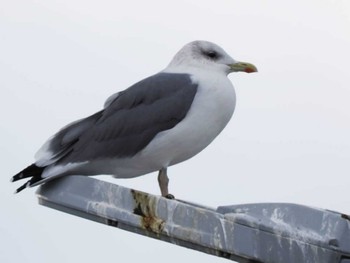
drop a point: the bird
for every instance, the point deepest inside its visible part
(158, 122)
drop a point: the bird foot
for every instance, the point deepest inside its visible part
(170, 196)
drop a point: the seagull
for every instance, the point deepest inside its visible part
(158, 122)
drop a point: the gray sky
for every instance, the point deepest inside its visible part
(287, 142)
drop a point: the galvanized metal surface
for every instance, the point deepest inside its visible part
(285, 233)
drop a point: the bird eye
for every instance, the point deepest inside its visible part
(211, 54)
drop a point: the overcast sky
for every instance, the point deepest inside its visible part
(288, 141)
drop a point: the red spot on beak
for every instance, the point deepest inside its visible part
(249, 70)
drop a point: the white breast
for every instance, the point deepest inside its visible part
(211, 110)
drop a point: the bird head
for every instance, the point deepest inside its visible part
(207, 55)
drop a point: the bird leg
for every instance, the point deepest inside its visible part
(163, 181)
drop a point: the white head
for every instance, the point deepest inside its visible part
(207, 55)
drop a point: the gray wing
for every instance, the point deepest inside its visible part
(129, 121)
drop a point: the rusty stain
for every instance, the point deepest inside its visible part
(145, 207)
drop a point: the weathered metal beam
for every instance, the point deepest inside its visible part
(267, 233)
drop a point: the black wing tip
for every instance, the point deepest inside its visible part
(19, 189)
(17, 177)
(33, 172)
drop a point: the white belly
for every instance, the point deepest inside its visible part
(211, 110)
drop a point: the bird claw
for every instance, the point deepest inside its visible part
(169, 196)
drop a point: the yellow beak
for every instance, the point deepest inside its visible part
(243, 66)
